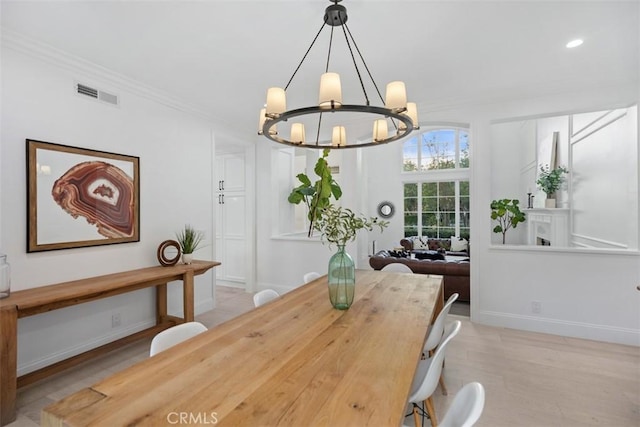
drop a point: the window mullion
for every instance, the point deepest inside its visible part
(419, 205)
(457, 204)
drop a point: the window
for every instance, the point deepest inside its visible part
(436, 184)
(437, 149)
(436, 209)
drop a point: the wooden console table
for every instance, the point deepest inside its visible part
(47, 298)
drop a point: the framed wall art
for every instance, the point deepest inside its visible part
(78, 197)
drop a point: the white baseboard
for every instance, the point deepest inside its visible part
(565, 328)
(50, 359)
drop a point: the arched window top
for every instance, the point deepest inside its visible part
(436, 148)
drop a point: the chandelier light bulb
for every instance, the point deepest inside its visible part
(261, 119)
(339, 136)
(396, 96)
(330, 90)
(297, 133)
(276, 101)
(412, 113)
(380, 130)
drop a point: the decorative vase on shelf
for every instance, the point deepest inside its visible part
(550, 203)
(5, 277)
(187, 258)
(342, 279)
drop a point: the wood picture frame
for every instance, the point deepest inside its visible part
(78, 197)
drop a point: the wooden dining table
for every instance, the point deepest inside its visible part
(295, 361)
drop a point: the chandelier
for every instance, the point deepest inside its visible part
(390, 122)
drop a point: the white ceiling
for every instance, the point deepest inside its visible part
(221, 56)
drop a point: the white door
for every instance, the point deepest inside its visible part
(231, 233)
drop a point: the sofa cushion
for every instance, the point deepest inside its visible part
(458, 244)
(439, 244)
(420, 242)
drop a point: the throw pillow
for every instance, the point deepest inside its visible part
(459, 245)
(420, 242)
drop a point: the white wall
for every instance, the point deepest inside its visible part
(582, 294)
(176, 167)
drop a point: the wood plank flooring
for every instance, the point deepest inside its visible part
(531, 379)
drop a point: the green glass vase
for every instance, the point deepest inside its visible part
(342, 279)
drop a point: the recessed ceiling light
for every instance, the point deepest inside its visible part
(575, 43)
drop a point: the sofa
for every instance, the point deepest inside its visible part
(454, 266)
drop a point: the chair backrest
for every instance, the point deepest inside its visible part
(429, 370)
(466, 408)
(264, 297)
(175, 335)
(310, 276)
(397, 267)
(437, 329)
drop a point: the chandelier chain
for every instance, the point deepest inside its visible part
(366, 67)
(353, 58)
(305, 56)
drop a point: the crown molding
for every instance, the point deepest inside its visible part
(76, 65)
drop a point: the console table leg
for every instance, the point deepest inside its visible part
(187, 297)
(8, 363)
(161, 303)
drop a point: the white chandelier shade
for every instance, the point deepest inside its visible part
(297, 133)
(330, 90)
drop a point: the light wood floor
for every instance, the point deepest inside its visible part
(530, 379)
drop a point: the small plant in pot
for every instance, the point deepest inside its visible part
(550, 181)
(508, 214)
(189, 239)
(340, 225)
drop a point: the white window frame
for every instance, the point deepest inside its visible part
(456, 174)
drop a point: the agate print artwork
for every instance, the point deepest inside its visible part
(100, 192)
(79, 197)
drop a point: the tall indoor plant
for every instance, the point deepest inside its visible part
(339, 226)
(550, 181)
(508, 214)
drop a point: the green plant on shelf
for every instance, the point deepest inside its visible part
(189, 239)
(550, 180)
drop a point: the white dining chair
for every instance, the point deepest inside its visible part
(435, 335)
(264, 297)
(466, 408)
(310, 276)
(397, 268)
(175, 335)
(427, 375)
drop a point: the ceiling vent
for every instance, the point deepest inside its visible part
(94, 93)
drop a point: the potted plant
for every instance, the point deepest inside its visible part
(508, 214)
(316, 196)
(550, 181)
(340, 225)
(189, 240)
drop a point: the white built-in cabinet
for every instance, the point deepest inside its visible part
(231, 212)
